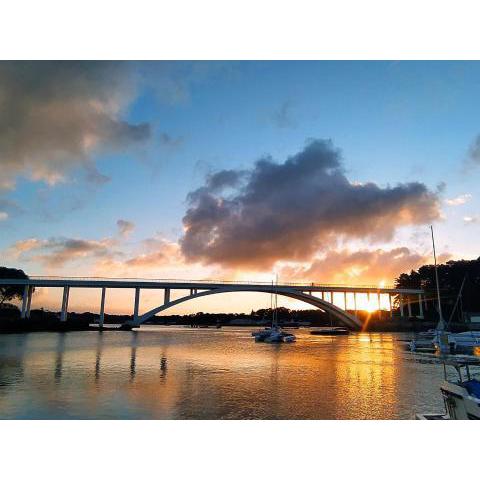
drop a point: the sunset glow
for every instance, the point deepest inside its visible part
(306, 204)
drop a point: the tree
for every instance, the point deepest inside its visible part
(450, 278)
(11, 292)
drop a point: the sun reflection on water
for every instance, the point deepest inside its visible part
(187, 373)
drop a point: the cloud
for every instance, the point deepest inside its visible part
(157, 252)
(8, 208)
(474, 151)
(460, 200)
(56, 252)
(23, 246)
(358, 267)
(171, 142)
(55, 115)
(291, 210)
(125, 227)
(283, 117)
(468, 220)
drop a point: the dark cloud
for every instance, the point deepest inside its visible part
(291, 210)
(54, 115)
(216, 182)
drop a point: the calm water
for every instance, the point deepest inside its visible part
(168, 373)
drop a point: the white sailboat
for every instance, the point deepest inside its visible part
(274, 334)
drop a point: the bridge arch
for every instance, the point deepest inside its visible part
(344, 317)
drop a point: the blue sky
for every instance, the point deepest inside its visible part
(394, 122)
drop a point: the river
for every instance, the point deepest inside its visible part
(182, 373)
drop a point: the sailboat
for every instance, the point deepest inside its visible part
(449, 342)
(274, 334)
(441, 339)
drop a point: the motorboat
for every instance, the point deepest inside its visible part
(461, 397)
(330, 331)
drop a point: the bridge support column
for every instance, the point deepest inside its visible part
(102, 309)
(390, 306)
(166, 295)
(355, 302)
(29, 301)
(400, 301)
(321, 295)
(378, 301)
(137, 304)
(66, 294)
(420, 304)
(345, 300)
(26, 291)
(409, 306)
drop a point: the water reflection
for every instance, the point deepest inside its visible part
(59, 356)
(98, 356)
(133, 356)
(179, 373)
(163, 366)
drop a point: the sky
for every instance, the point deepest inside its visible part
(319, 171)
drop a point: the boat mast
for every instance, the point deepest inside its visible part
(440, 325)
(275, 301)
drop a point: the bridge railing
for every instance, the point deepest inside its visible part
(210, 281)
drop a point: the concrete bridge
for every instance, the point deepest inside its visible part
(316, 294)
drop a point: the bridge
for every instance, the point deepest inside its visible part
(315, 294)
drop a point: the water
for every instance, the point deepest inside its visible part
(181, 373)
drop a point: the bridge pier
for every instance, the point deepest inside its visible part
(137, 304)
(420, 305)
(29, 301)
(409, 306)
(400, 301)
(390, 306)
(25, 300)
(166, 296)
(102, 308)
(66, 294)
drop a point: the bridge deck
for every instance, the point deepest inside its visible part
(96, 282)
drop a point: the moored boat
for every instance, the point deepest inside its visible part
(461, 397)
(330, 331)
(273, 334)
